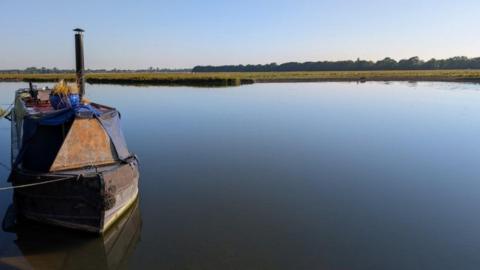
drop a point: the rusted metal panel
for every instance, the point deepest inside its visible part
(75, 203)
(93, 201)
(86, 144)
(120, 187)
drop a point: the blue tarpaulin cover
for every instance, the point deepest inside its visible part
(109, 120)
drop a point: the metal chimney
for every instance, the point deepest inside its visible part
(80, 68)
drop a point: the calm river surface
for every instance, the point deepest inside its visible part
(283, 176)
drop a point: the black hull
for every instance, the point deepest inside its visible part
(89, 199)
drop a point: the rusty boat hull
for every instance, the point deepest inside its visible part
(74, 169)
(89, 200)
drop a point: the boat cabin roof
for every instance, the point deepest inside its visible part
(47, 139)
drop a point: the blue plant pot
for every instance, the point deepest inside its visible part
(74, 100)
(61, 102)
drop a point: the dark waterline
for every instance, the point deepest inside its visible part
(284, 176)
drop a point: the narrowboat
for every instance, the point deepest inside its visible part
(70, 163)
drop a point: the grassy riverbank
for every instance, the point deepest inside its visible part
(232, 79)
(190, 79)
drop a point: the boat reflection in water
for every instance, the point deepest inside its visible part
(46, 247)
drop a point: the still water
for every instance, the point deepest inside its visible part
(283, 176)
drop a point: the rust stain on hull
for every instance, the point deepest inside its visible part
(86, 144)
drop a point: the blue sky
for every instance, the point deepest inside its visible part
(176, 34)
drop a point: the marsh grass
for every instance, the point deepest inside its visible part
(232, 79)
(2, 113)
(63, 88)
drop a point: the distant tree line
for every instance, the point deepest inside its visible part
(35, 70)
(413, 63)
(44, 70)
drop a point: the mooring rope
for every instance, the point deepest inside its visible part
(38, 183)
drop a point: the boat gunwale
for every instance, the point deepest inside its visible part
(81, 171)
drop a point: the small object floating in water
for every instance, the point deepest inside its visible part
(70, 163)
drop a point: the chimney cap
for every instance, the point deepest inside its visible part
(79, 30)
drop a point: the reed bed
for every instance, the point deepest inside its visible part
(233, 79)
